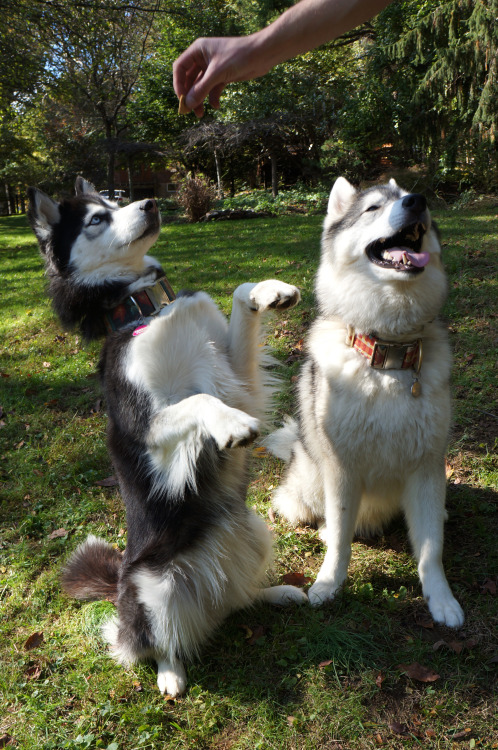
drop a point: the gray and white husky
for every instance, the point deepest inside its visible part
(374, 403)
(185, 393)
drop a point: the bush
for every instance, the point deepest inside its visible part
(299, 199)
(196, 196)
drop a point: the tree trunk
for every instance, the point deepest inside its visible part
(274, 175)
(130, 179)
(111, 161)
(218, 174)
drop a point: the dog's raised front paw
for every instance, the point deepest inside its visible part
(171, 678)
(234, 428)
(446, 611)
(273, 295)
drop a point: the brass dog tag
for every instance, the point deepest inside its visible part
(416, 389)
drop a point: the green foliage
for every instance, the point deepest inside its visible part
(94, 80)
(300, 200)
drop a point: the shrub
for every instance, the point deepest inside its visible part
(196, 196)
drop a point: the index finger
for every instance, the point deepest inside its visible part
(186, 69)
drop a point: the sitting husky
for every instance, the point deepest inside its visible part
(374, 404)
(184, 394)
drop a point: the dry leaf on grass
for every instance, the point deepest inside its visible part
(34, 640)
(295, 579)
(109, 482)
(32, 673)
(57, 533)
(418, 672)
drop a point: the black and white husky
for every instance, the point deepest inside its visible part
(184, 393)
(374, 403)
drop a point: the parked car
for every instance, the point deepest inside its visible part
(119, 195)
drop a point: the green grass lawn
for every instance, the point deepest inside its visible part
(298, 678)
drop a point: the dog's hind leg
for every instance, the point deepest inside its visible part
(171, 677)
(244, 330)
(423, 504)
(300, 496)
(342, 500)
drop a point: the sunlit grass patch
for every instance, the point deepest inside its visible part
(297, 678)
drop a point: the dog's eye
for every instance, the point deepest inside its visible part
(95, 220)
(372, 208)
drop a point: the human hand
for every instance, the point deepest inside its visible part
(209, 64)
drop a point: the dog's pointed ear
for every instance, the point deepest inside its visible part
(393, 183)
(341, 197)
(83, 187)
(43, 214)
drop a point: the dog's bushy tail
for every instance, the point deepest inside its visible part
(92, 571)
(281, 442)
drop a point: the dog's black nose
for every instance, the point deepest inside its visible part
(414, 202)
(148, 205)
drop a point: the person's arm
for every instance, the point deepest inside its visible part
(210, 63)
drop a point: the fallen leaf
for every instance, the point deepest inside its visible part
(260, 451)
(418, 672)
(398, 728)
(291, 720)
(32, 673)
(258, 632)
(456, 646)
(489, 587)
(425, 622)
(325, 663)
(378, 739)
(37, 472)
(109, 482)
(379, 680)
(34, 640)
(57, 533)
(295, 579)
(463, 735)
(271, 515)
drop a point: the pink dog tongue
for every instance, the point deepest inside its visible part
(416, 259)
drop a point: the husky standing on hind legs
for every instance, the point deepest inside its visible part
(373, 395)
(185, 393)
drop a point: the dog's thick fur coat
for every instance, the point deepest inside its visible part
(184, 395)
(367, 443)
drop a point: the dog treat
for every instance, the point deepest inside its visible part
(182, 107)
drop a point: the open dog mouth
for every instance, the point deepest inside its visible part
(402, 251)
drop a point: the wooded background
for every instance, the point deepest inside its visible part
(86, 88)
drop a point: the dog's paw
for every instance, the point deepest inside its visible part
(273, 295)
(283, 596)
(234, 428)
(446, 611)
(321, 592)
(171, 678)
